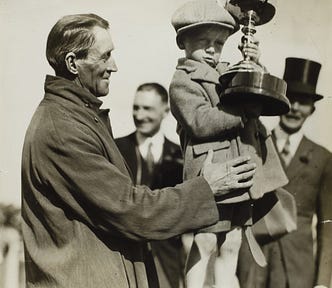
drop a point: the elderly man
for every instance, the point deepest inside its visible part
(291, 262)
(85, 224)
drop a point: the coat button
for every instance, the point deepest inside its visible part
(96, 119)
(87, 105)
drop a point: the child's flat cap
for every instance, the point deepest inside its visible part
(201, 12)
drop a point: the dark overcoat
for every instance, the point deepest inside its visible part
(84, 222)
(291, 261)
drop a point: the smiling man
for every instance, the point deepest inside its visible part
(157, 162)
(85, 223)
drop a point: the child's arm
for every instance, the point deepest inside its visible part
(194, 112)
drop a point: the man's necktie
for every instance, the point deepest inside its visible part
(285, 153)
(150, 160)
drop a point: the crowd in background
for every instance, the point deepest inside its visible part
(11, 248)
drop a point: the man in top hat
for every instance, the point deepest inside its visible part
(291, 261)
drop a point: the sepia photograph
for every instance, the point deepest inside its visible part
(166, 144)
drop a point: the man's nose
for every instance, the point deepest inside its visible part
(139, 114)
(295, 105)
(112, 65)
(210, 49)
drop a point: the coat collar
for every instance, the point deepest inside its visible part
(201, 71)
(66, 89)
(170, 152)
(302, 157)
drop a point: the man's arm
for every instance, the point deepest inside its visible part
(98, 193)
(72, 164)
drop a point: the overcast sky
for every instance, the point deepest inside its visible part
(145, 51)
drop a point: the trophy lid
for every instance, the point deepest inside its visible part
(263, 11)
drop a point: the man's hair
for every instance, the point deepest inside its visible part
(72, 33)
(159, 89)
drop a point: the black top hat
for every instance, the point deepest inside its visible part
(301, 76)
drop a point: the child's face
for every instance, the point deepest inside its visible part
(205, 43)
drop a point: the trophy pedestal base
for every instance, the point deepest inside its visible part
(239, 85)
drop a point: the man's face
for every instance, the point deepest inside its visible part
(148, 112)
(205, 44)
(94, 71)
(301, 108)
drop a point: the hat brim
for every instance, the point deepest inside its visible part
(314, 96)
(180, 31)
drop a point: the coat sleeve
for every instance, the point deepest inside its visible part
(193, 111)
(96, 192)
(324, 227)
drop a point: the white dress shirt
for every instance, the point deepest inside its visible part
(157, 141)
(294, 140)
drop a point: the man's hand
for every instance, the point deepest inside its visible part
(226, 177)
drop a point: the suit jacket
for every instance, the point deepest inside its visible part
(168, 254)
(84, 222)
(290, 260)
(169, 169)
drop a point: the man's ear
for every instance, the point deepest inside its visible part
(166, 111)
(70, 63)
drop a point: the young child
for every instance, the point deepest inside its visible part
(204, 124)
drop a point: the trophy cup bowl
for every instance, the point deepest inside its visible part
(247, 80)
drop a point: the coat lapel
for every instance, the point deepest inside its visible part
(301, 158)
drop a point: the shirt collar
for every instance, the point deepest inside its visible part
(157, 141)
(294, 139)
(201, 71)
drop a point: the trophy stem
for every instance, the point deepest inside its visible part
(249, 30)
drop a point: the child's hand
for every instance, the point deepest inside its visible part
(250, 50)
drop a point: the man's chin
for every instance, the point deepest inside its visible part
(103, 93)
(291, 126)
(145, 132)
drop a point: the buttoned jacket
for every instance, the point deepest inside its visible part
(291, 261)
(204, 123)
(310, 182)
(167, 172)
